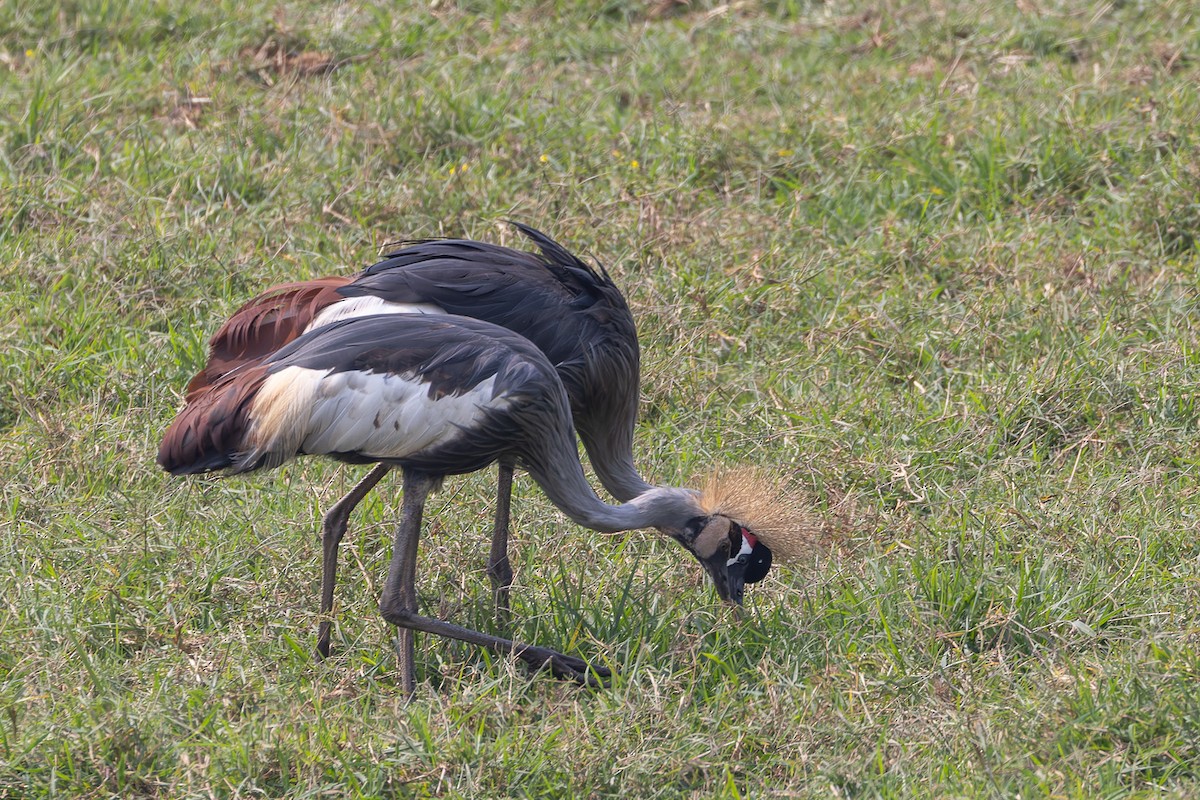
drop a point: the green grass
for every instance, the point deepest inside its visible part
(935, 264)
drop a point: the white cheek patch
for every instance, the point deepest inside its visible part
(745, 551)
(368, 306)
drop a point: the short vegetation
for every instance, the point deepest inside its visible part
(935, 264)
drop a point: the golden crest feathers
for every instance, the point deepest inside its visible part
(758, 500)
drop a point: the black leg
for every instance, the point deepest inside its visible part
(561, 665)
(399, 604)
(400, 590)
(499, 569)
(333, 529)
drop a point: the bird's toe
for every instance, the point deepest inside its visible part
(568, 667)
(580, 671)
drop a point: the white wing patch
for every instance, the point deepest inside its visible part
(376, 414)
(368, 306)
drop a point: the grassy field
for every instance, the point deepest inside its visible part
(936, 264)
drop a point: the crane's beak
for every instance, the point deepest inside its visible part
(730, 580)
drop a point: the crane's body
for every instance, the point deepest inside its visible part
(574, 313)
(440, 394)
(435, 395)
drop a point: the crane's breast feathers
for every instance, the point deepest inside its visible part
(380, 415)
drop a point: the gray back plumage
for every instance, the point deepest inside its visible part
(446, 356)
(571, 311)
(452, 355)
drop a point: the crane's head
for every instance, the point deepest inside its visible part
(740, 523)
(730, 553)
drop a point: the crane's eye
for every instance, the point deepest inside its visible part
(737, 535)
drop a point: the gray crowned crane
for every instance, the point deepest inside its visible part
(575, 314)
(436, 396)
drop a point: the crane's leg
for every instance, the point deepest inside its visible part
(332, 530)
(399, 604)
(400, 590)
(499, 569)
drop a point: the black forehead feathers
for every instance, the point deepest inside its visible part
(736, 532)
(694, 525)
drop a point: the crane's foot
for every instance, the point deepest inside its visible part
(567, 667)
(561, 665)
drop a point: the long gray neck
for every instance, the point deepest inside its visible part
(606, 421)
(557, 470)
(611, 455)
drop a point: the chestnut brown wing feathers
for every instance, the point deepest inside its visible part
(208, 432)
(263, 325)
